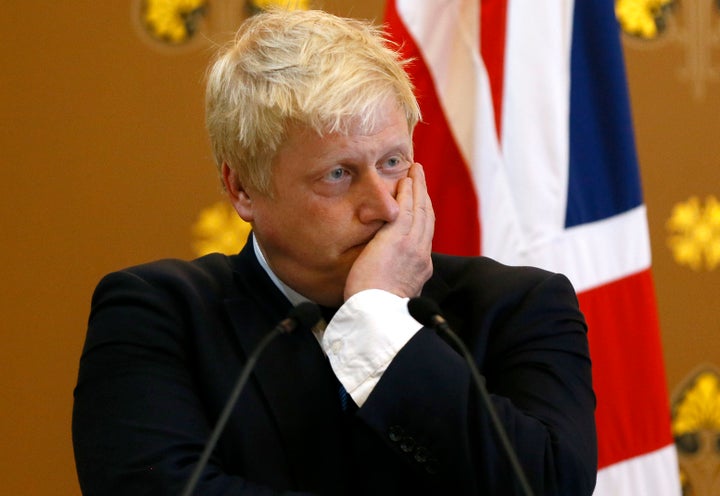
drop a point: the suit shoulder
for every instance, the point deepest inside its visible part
(210, 273)
(456, 266)
(492, 277)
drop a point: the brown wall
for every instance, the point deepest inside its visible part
(678, 142)
(105, 164)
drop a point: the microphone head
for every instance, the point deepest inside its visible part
(305, 315)
(424, 310)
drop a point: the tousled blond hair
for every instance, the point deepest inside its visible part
(298, 67)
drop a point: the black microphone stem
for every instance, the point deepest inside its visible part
(427, 312)
(225, 415)
(302, 317)
(500, 430)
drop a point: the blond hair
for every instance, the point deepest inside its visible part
(298, 67)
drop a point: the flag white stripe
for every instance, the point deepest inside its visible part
(631, 476)
(535, 113)
(596, 253)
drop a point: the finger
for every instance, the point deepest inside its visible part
(406, 201)
(424, 215)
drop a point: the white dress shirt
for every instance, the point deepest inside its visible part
(363, 337)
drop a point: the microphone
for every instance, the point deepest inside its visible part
(302, 317)
(427, 312)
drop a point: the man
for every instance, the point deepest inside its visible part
(311, 118)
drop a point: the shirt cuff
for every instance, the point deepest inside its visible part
(363, 338)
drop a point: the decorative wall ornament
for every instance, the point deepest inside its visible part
(258, 5)
(696, 429)
(178, 25)
(219, 229)
(643, 18)
(692, 24)
(695, 233)
(173, 21)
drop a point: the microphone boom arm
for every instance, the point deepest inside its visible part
(427, 313)
(305, 315)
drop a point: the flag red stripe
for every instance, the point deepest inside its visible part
(493, 17)
(457, 226)
(632, 409)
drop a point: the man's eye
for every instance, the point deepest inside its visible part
(393, 162)
(336, 174)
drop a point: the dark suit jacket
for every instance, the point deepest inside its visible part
(167, 340)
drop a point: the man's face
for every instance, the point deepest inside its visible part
(331, 195)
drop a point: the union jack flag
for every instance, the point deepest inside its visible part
(529, 152)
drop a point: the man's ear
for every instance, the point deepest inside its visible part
(237, 194)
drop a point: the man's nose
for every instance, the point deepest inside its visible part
(377, 198)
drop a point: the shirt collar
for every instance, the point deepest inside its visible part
(292, 295)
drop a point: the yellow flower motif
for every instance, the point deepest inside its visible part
(696, 233)
(219, 229)
(287, 4)
(641, 17)
(174, 21)
(700, 407)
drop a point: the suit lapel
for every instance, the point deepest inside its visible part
(292, 374)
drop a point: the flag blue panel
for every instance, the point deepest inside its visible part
(603, 177)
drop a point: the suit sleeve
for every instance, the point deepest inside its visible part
(533, 354)
(138, 423)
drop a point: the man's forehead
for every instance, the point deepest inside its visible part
(388, 136)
